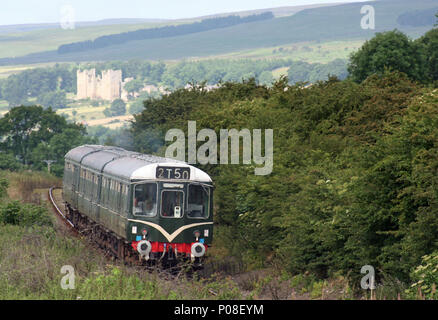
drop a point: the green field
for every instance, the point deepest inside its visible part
(14, 44)
(6, 71)
(85, 113)
(20, 44)
(311, 52)
(277, 73)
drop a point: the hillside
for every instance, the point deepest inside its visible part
(17, 28)
(14, 41)
(162, 32)
(278, 12)
(323, 24)
(24, 39)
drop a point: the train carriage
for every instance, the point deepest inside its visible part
(159, 207)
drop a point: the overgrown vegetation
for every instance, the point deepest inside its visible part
(353, 181)
(425, 277)
(33, 249)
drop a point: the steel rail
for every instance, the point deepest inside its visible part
(52, 200)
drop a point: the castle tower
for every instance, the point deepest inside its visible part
(86, 84)
(110, 84)
(106, 87)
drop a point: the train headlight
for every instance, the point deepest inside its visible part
(144, 248)
(198, 249)
(144, 232)
(197, 234)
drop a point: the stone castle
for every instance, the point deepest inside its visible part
(109, 86)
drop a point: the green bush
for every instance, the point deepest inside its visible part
(117, 108)
(353, 178)
(29, 215)
(3, 187)
(9, 162)
(426, 278)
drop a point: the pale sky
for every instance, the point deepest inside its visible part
(26, 11)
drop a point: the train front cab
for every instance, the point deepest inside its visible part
(171, 219)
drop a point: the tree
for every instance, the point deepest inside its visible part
(117, 108)
(57, 147)
(430, 44)
(55, 99)
(299, 72)
(134, 86)
(266, 78)
(136, 107)
(156, 72)
(14, 92)
(8, 162)
(24, 127)
(337, 67)
(388, 50)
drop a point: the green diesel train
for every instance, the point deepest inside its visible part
(139, 205)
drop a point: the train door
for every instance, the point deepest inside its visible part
(171, 209)
(76, 173)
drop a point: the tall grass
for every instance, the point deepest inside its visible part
(33, 251)
(22, 185)
(30, 268)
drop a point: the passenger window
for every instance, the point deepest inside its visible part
(198, 202)
(145, 200)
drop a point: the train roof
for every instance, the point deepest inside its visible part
(125, 164)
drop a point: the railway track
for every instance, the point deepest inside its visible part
(57, 209)
(169, 272)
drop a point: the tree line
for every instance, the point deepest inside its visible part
(162, 32)
(49, 86)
